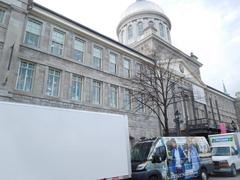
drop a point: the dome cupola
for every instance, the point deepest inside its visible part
(140, 16)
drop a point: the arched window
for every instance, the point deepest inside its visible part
(161, 29)
(140, 28)
(150, 23)
(168, 34)
(130, 32)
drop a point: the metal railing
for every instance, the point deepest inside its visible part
(206, 123)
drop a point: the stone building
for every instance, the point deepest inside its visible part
(48, 59)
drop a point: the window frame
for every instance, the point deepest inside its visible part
(129, 70)
(140, 31)
(161, 30)
(100, 92)
(124, 100)
(130, 32)
(25, 76)
(59, 30)
(116, 63)
(81, 87)
(59, 82)
(4, 16)
(101, 59)
(40, 34)
(116, 95)
(85, 48)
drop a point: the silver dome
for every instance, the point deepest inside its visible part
(141, 6)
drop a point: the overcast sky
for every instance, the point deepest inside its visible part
(209, 28)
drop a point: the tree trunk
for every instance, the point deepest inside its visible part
(166, 122)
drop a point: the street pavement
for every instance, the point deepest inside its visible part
(224, 177)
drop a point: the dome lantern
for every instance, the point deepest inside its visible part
(146, 13)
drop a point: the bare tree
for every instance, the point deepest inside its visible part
(154, 88)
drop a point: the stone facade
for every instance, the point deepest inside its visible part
(14, 51)
(237, 108)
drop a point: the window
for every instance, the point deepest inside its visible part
(96, 92)
(76, 87)
(130, 32)
(140, 28)
(25, 76)
(97, 57)
(58, 38)
(151, 24)
(79, 49)
(168, 34)
(113, 63)
(138, 69)
(53, 82)
(127, 100)
(113, 96)
(161, 28)
(2, 15)
(139, 104)
(126, 68)
(33, 33)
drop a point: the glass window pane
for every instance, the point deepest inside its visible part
(32, 39)
(112, 64)
(126, 68)
(113, 96)
(130, 32)
(33, 27)
(140, 28)
(96, 92)
(127, 99)
(79, 45)
(76, 88)
(33, 32)
(97, 52)
(2, 14)
(25, 77)
(56, 48)
(53, 82)
(58, 36)
(162, 30)
(79, 49)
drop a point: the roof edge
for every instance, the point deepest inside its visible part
(90, 30)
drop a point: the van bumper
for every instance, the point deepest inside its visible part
(222, 170)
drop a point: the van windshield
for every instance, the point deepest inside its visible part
(140, 151)
(221, 151)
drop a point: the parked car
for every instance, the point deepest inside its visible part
(157, 158)
(226, 152)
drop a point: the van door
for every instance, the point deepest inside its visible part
(159, 160)
(235, 157)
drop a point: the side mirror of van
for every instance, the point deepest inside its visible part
(156, 159)
(159, 155)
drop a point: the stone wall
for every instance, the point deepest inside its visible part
(237, 107)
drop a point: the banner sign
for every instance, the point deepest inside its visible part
(199, 94)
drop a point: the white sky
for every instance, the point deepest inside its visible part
(209, 28)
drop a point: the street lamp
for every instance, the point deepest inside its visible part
(233, 124)
(177, 115)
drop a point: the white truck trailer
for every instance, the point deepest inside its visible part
(47, 143)
(226, 152)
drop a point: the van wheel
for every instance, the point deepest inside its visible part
(203, 174)
(233, 170)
